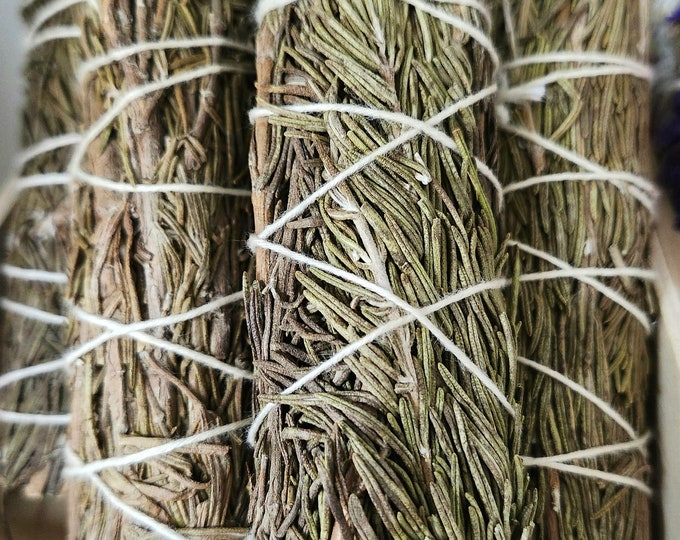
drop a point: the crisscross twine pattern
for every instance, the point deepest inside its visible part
(366, 187)
(633, 185)
(573, 165)
(75, 174)
(149, 201)
(182, 187)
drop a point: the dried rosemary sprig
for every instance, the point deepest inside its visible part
(592, 338)
(146, 255)
(398, 440)
(34, 237)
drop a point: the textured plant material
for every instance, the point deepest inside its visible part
(566, 324)
(141, 256)
(397, 441)
(35, 236)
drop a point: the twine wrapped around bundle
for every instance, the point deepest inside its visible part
(160, 217)
(577, 200)
(385, 364)
(34, 237)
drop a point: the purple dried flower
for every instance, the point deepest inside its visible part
(675, 16)
(667, 143)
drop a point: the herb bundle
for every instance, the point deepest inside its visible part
(158, 233)
(398, 440)
(588, 207)
(35, 237)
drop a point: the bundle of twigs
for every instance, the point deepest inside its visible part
(406, 428)
(160, 221)
(576, 198)
(34, 249)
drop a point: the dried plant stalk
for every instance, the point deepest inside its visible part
(397, 441)
(34, 237)
(567, 324)
(140, 256)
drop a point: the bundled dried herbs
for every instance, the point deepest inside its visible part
(34, 236)
(166, 122)
(398, 440)
(588, 207)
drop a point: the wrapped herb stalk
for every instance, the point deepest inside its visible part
(160, 223)
(399, 439)
(34, 238)
(574, 164)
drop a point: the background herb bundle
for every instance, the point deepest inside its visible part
(35, 237)
(142, 256)
(597, 338)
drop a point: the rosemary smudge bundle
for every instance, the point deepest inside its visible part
(595, 334)
(398, 440)
(34, 236)
(144, 255)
